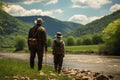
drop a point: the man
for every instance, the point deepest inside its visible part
(58, 52)
(37, 42)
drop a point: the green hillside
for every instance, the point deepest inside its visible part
(11, 27)
(52, 25)
(96, 26)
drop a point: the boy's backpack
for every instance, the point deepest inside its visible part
(58, 47)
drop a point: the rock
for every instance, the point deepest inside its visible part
(111, 77)
(102, 77)
(27, 78)
(76, 74)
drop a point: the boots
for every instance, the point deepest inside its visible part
(57, 69)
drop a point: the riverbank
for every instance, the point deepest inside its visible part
(19, 70)
(103, 64)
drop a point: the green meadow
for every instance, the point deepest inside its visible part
(83, 49)
(89, 49)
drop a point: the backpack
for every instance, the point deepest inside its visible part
(33, 41)
(58, 47)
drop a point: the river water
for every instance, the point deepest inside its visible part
(106, 64)
(103, 64)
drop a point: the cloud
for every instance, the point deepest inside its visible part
(17, 10)
(115, 7)
(46, 2)
(83, 19)
(89, 3)
(58, 11)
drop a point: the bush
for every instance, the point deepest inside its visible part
(20, 43)
(103, 49)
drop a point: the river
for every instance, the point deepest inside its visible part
(106, 64)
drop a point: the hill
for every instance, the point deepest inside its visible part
(96, 26)
(11, 27)
(52, 25)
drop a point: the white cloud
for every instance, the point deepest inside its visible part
(50, 1)
(17, 10)
(89, 3)
(46, 2)
(58, 11)
(30, 1)
(115, 7)
(83, 19)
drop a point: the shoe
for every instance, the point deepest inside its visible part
(32, 67)
(59, 71)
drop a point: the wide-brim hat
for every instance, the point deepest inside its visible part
(39, 21)
(58, 34)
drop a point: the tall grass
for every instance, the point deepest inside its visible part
(10, 68)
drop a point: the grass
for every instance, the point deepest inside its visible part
(82, 49)
(11, 67)
(69, 49)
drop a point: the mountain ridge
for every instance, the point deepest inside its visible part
(96, 26)
(52, 25)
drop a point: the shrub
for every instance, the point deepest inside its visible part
(20, 43)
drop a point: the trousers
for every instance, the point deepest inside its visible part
(58, 61)
(39, 52)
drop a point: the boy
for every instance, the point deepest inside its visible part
(58, 51)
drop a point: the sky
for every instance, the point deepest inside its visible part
(79, 11)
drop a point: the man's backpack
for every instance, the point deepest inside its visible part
(58, 47)
(32, 40)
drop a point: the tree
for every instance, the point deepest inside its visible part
(111, 36)
(49, 42)
(2, 4)
(86, 41)
(97, 38)
(78, 41)
(70, 41)
(20, 43)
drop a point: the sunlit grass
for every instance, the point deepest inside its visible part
(10, 68)
(82, 48)
(68, 49)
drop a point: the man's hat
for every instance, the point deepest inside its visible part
(39, 21)
(59, 34)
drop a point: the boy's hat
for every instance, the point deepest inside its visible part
(58, 34)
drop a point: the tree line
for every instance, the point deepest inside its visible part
(110, 40)
(77, 41)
